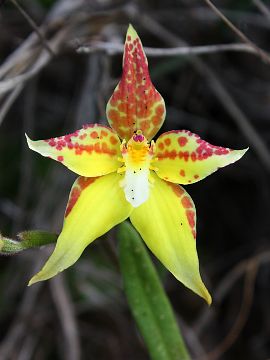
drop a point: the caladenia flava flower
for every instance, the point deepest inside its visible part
(124, 173)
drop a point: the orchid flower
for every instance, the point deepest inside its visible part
(125, 174)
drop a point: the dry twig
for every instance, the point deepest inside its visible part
(33, 25)
(67, 318)
(263, 54)
(116, 48)
(263, 8)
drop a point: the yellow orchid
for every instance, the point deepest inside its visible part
(135, 178)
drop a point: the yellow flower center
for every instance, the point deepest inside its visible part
(137, 156)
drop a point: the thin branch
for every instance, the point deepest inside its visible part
(67, 317)
(225, 286)
(251, 271)
(9, 101)
(263, 8)
(33, 24)
(44, 58)
(263, 54)
(116, 48)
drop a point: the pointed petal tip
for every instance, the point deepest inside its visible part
(202, 291)
(206, 296)
(42, 276)
(240, 153)
(32, 281)
(234, 156)
(131, 32)
(30, 142)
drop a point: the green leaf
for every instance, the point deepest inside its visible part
(27, 240)
(148, 302)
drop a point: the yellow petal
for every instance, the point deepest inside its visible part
(167, 223)
(90, 151)
(94, 208)
(184, 158)
(135, 103)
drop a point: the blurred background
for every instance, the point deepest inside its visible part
(48, 88)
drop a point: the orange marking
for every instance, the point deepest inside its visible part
(176, 189)
(160, 110)
(156, 120)
(182, 172)
(104, 133)
(113, 140)
(191, 218)
(94, 135)
(76, 191)
(186, 202)
(182, 141)
(83, 136)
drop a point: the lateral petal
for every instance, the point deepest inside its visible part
(90, 151)
(135, 103)
(167, 223)
(95, 206)
(184, 158)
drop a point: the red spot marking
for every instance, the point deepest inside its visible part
(155, 120)
(83, 136)
(97, 148)
(73, 197)
(94, 135)
(113, 140)
(104, 147)
(83, 181)
(129, 38)
(51, 142)
(160, 110)
(182, 141)
(176, 189)
(196, 176)
(144, 126)
(122, 107)
(182, 172)
(193, 156)
(167, 155)
(60, 158)
(191, 218)
(104, 133)
(76, 191)
(221, 151)
(183, 155)
(167, 141)
(186, 202)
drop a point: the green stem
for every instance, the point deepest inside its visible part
(149, 304)
(27, 240)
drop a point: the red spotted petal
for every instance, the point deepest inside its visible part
(184, 158)
(90, 151)
(135, 103)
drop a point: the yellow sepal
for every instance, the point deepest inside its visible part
(167, 223)
(99, 206)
